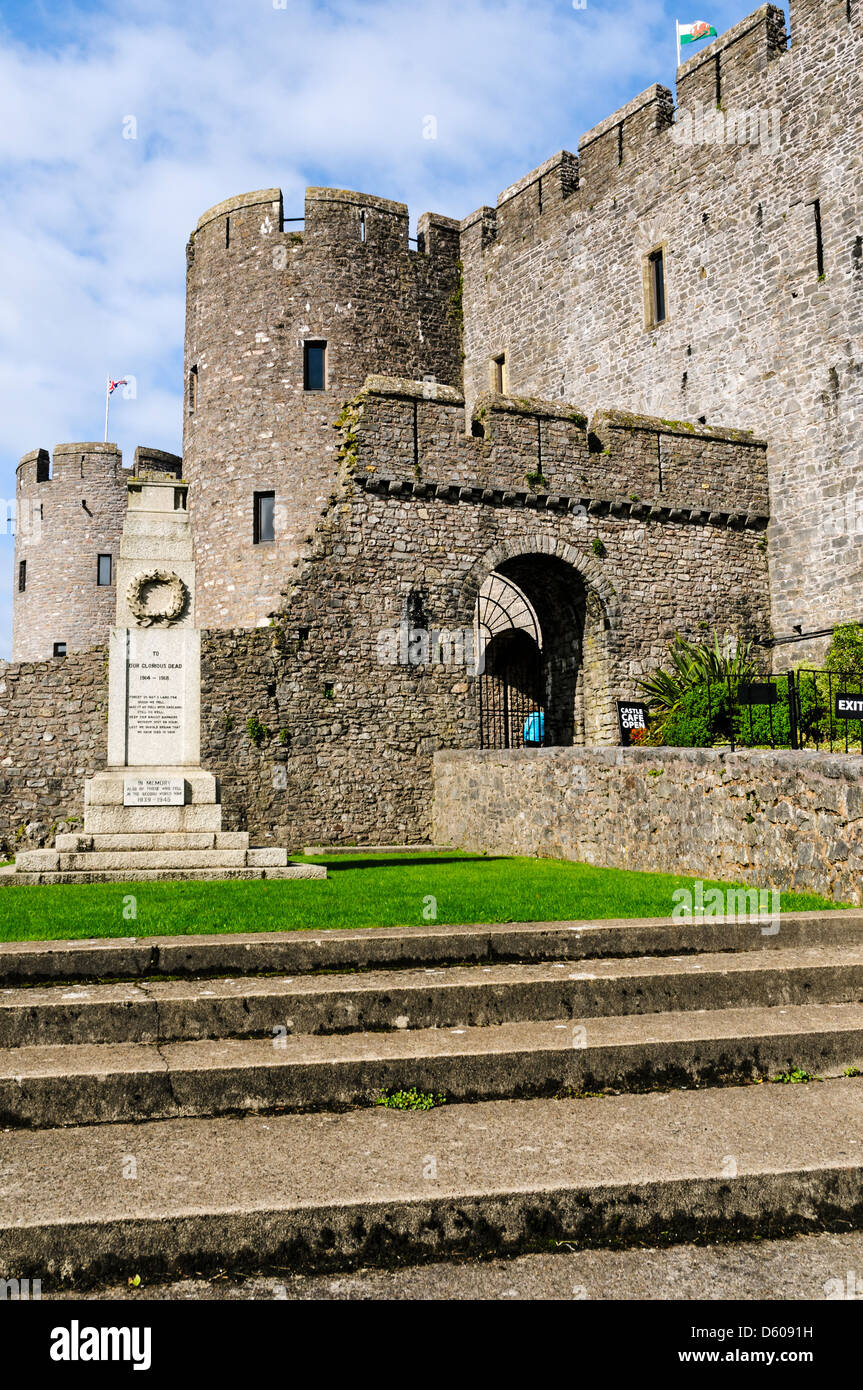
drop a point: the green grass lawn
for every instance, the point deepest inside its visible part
(360, 892)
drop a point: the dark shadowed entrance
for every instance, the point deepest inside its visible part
(531, 612)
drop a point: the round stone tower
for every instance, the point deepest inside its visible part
(69, 518)
(282, 327)
(68, 524)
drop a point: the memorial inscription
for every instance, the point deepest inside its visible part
(153, 791)
(156, 696)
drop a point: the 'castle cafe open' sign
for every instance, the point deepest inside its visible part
(631, 715)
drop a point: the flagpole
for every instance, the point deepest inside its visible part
(107, 398)
(677, 36)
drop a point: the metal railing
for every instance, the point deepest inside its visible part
(806, 708)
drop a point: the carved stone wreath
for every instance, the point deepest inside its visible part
(135, 597)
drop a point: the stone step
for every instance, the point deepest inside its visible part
(193, 839)
(136, 820)
(298, 952)
(436, 997)
(41, 860)
(374, 1186)
(45, 1086)
(55, 876)
(802, 1268)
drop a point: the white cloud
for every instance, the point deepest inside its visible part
(234, 96)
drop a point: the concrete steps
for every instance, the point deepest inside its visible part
(322, 1191)
(437, 997)
(208, 1102)
(83, 1084)
(300, 952)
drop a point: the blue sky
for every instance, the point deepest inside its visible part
(232, 95)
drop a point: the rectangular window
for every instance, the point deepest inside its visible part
(498, 374)
(104, 573)
(265, 517)
(315, 366)
(193, 390)
(819, 238)
(59, 648)
(22, 576)
(656, 287)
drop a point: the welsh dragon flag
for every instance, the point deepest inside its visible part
(691, 33)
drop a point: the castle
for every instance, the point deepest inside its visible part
(620, 404)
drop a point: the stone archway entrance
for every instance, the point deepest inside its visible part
(543, 628)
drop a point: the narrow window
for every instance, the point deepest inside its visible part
(362, 226)
(498, 374)
(315, 366)
(59, 648)
(265, 517)
(227, 231)
(193, 390)
(656, 286)
(22, 576)
(104, 574)
(179, 499)
(620, 144)
(819, 240)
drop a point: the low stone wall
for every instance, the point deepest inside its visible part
(53, 734)
(783, 820)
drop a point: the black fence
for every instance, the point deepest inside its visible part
(798, 709)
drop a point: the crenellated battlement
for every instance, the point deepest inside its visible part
(547, 455)
(88, 461)
(617, 152)
(730, 69)
(332, 217)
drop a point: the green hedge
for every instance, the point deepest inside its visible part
(704, 718)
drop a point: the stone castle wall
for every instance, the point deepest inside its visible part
(554, 278)
(53, 733)
(771, 819)
(257, 290)
(341, 741)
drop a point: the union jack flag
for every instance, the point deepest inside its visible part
(112, 385)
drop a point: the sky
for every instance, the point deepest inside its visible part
(120, 123)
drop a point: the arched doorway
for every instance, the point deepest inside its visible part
(543, 629)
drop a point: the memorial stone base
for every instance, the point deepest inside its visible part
(156, 823)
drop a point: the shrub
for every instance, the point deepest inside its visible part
(845, 653)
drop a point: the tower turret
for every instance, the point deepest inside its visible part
(282, 327)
